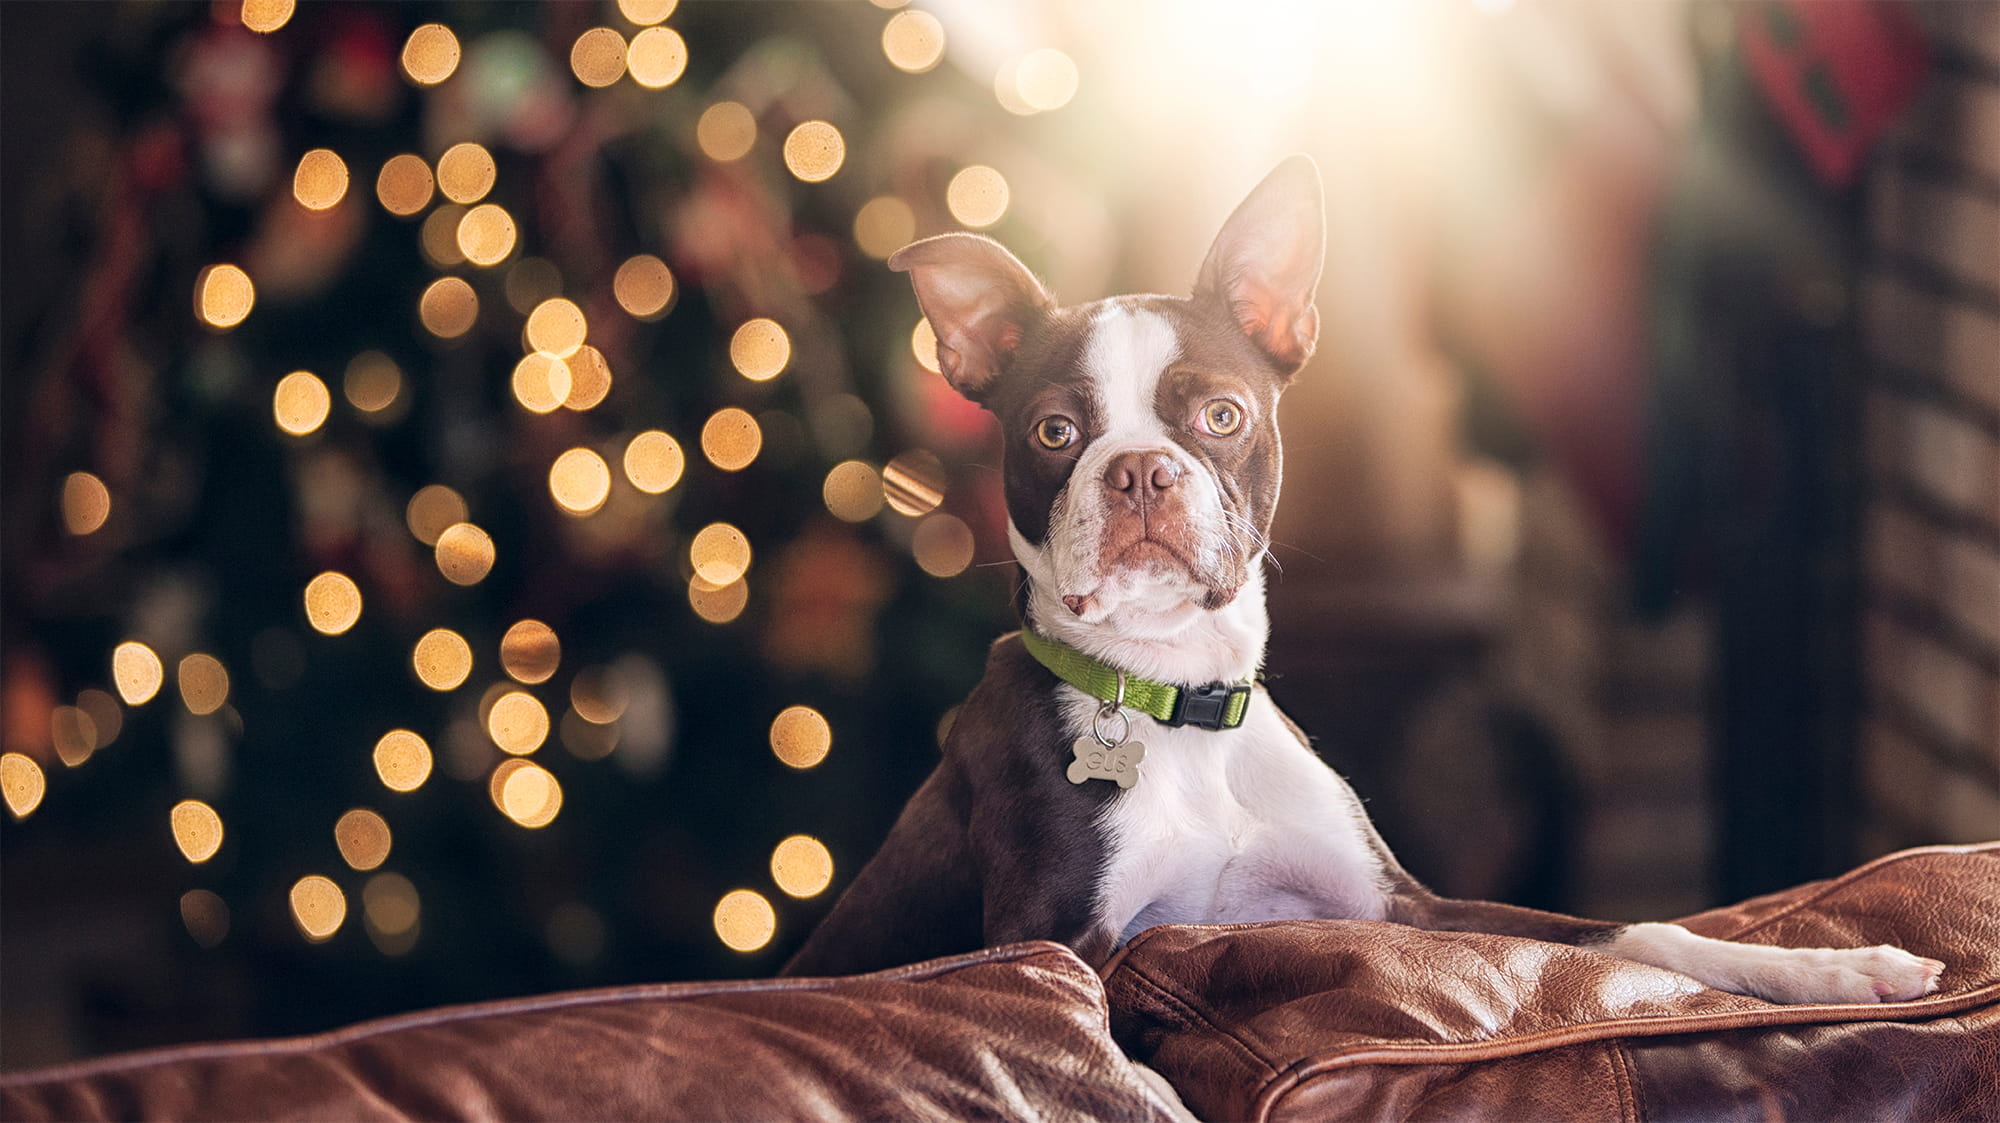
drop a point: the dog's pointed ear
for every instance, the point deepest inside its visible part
(979, 299)
(1265, 264)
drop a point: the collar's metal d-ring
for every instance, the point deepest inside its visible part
(1108, 710)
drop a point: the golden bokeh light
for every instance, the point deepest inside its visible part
(300, 403)
(599, 695)
(464, 554)
(744, 920)
(206, 917)
(73, 734)
(22, 784)
(589, 379)
(943, 545)
(531, 796)
(889, 5)
(404, 185)
(977, 196)
(518, 723)
(442, 659)
(720, 553)
(86, 503)
(580, 481)
(814, 151)
(389, 904)
(373, 382)
(439, 236)
(486, 234)
(465, 172)
(402, 760)
(644, 12)
(913, 483)
(800, 736)
(726, 131)
(223, 295)
(197, 830)
(430, 54)
(718, 604)
(137, 672)
(802, 866)
(448, 307)
(913, 41)
(363, 838)
(558, 327)
(541, 382)
(657, 58)
(760, 349)
(884, 225)
(530, 652)
(654, 462)
(204, 683)
(530, 281)
(731, 439)
(1045, 79)
(433, 508)
(644, 286)
(105, 714)
(266, 16)
(333, 603)
(923, 345)
(586, 739)
(853, 491)
(318, 907)
(597, 58)
(320, 181)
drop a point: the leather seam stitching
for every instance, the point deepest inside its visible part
(1188, 1010)
(1853, 878)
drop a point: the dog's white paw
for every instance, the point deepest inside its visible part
(1877, 974)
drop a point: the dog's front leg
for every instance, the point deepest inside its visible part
(1034, 887)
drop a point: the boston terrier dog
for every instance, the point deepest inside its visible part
(1119, 766)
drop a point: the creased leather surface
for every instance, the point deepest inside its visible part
(1011, 1033)
(1366, 1020)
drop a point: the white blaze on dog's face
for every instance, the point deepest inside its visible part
(1141, 446)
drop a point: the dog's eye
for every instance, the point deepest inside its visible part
(1055, 431)
(1221, 417)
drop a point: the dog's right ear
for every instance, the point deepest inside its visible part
(978, 297)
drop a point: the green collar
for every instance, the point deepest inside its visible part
(1215, 705)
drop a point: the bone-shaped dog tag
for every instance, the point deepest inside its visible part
(1095, 761)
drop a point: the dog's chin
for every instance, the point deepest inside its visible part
(1148, 584)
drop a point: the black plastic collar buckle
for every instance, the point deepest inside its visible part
(1206, 706)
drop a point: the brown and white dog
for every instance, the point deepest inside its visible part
(1141, 470)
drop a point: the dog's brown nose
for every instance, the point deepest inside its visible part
(1139, 472)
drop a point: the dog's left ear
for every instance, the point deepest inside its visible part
(1265, 263)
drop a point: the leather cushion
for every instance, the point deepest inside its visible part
(1366, 1020)
(1012, 1033)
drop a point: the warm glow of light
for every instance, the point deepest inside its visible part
(599, 695)
(86, 503)
(589, 379)
(531, 796)
(137, 672)
(942, 545)
(580, 481)
(913, 41)
(206, 917)
(586, 739)
(726, 131)
(431, 510)
(720, 553)
(486, 234)
(644, 286)
(853, 491)
(333, 603)
(197, 830)
(760, 349)
(402, 760)
(464, 554)
(643, 12)
(448, 307)
(558, 327)
(363, 838)
(389, 904)
(204, 683)
(800, 736)
(731, 439)
(801, 866)
(442, 658)
(300, 403)
(372, 382)
(518, 723)
(657, 58)
(404, 185)
(320, 181)
(541, 382)
(1045, 79)
(223, 296)
(266, 16)
(718, 604)
(530, 651)
(318, 907)
(597, 58)
(654, 462)
(814, 151)
(913, 483)
(431, 54)
(73, 733)
(465, 172)
(884, 225)
(745, 920)
(105, 714)
(923, 344)
(977, 196)
(22, 784)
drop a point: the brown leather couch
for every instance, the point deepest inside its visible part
(1317, 1020)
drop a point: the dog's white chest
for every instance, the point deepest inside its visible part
(1232, 826)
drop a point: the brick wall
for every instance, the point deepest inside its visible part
(1930, 741)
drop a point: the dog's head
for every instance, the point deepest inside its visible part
(1140, 432)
